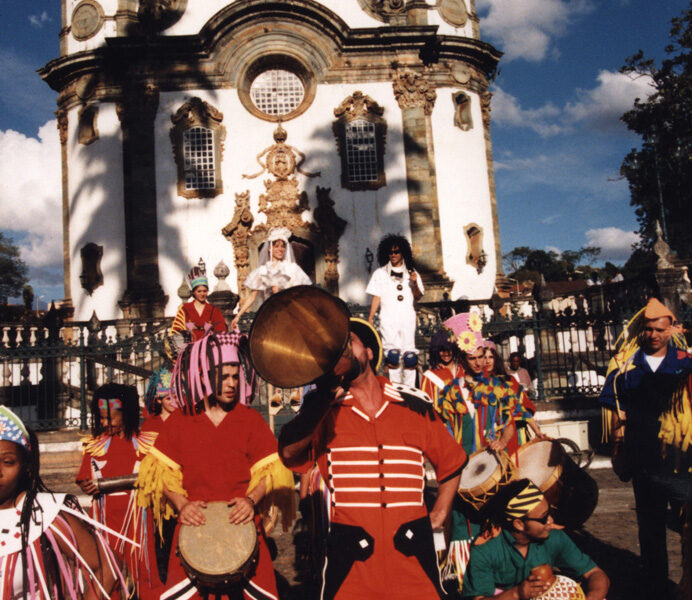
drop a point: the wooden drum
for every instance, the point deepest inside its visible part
(571, 491)
(219, 553)
(485, 473)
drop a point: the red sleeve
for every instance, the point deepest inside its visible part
(218, 323)
(84, 469)
(446, 455)
(261, 440)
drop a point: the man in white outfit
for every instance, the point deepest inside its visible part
(394, 288)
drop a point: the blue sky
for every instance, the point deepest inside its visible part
(557, 139)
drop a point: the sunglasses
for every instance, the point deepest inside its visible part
(542, 520)
(393, 251)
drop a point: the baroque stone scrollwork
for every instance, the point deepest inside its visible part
(157, 15)
(383, 9)
(61, 115)
(238, 232)
(486, 97)
(413, 90)
(283, 203)
(197, 114)
(332, 227)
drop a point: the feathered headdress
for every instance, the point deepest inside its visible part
(198, 275)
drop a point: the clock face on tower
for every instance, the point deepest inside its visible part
(87, 20)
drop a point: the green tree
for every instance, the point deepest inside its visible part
(524, 263)
(13, 270)
(660, 172)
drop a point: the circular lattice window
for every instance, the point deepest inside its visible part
(277, 90)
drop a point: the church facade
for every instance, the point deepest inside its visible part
(188, 129)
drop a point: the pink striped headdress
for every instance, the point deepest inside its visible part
(197, 371)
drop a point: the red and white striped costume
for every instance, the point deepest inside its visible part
(380, 541)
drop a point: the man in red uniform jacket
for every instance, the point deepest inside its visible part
(370, 439)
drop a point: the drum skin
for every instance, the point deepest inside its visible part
(484, 474)
(563, 588)
(571, 491)
(218, 553)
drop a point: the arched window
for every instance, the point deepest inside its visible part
(361, 151)
(197, 137)
(360, 137)
(198, 153)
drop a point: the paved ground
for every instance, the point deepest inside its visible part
(609, 536)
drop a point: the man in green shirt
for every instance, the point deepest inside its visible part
(527, 538)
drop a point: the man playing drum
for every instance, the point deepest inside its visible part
(647, 400)
(215, 449)
(518, 536)
(370, 439)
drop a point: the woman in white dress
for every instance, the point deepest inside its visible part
(278, 271)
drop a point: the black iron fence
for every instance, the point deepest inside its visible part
(49, 371)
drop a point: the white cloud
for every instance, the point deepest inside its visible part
(603, 105)
(598, 108)
(615, 243)
(527, 28)
(506, 110)
(39, 21)
(31, 197)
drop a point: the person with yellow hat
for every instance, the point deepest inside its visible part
(519, 543)
(647, 412)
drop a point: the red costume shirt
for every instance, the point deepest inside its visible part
(198, 324)
(215, 462)
(380, 542)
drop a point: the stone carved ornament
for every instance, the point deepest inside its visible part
(332, 227)
(283, 204)
(157, 15)
(413, 90)
(238, 233)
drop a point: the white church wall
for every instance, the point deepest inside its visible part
(191, 228)
(463, 192)
(97, 213)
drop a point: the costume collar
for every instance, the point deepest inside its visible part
(389, 394)
(667, 366)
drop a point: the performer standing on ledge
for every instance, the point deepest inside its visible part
(394, 288)
(216, 449)
(198, 316)
(647, 400)
(278, 271)
(48, 548)
(370, 439)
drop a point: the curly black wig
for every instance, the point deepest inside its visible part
(394, 240)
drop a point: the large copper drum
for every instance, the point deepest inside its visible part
(298, 334)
